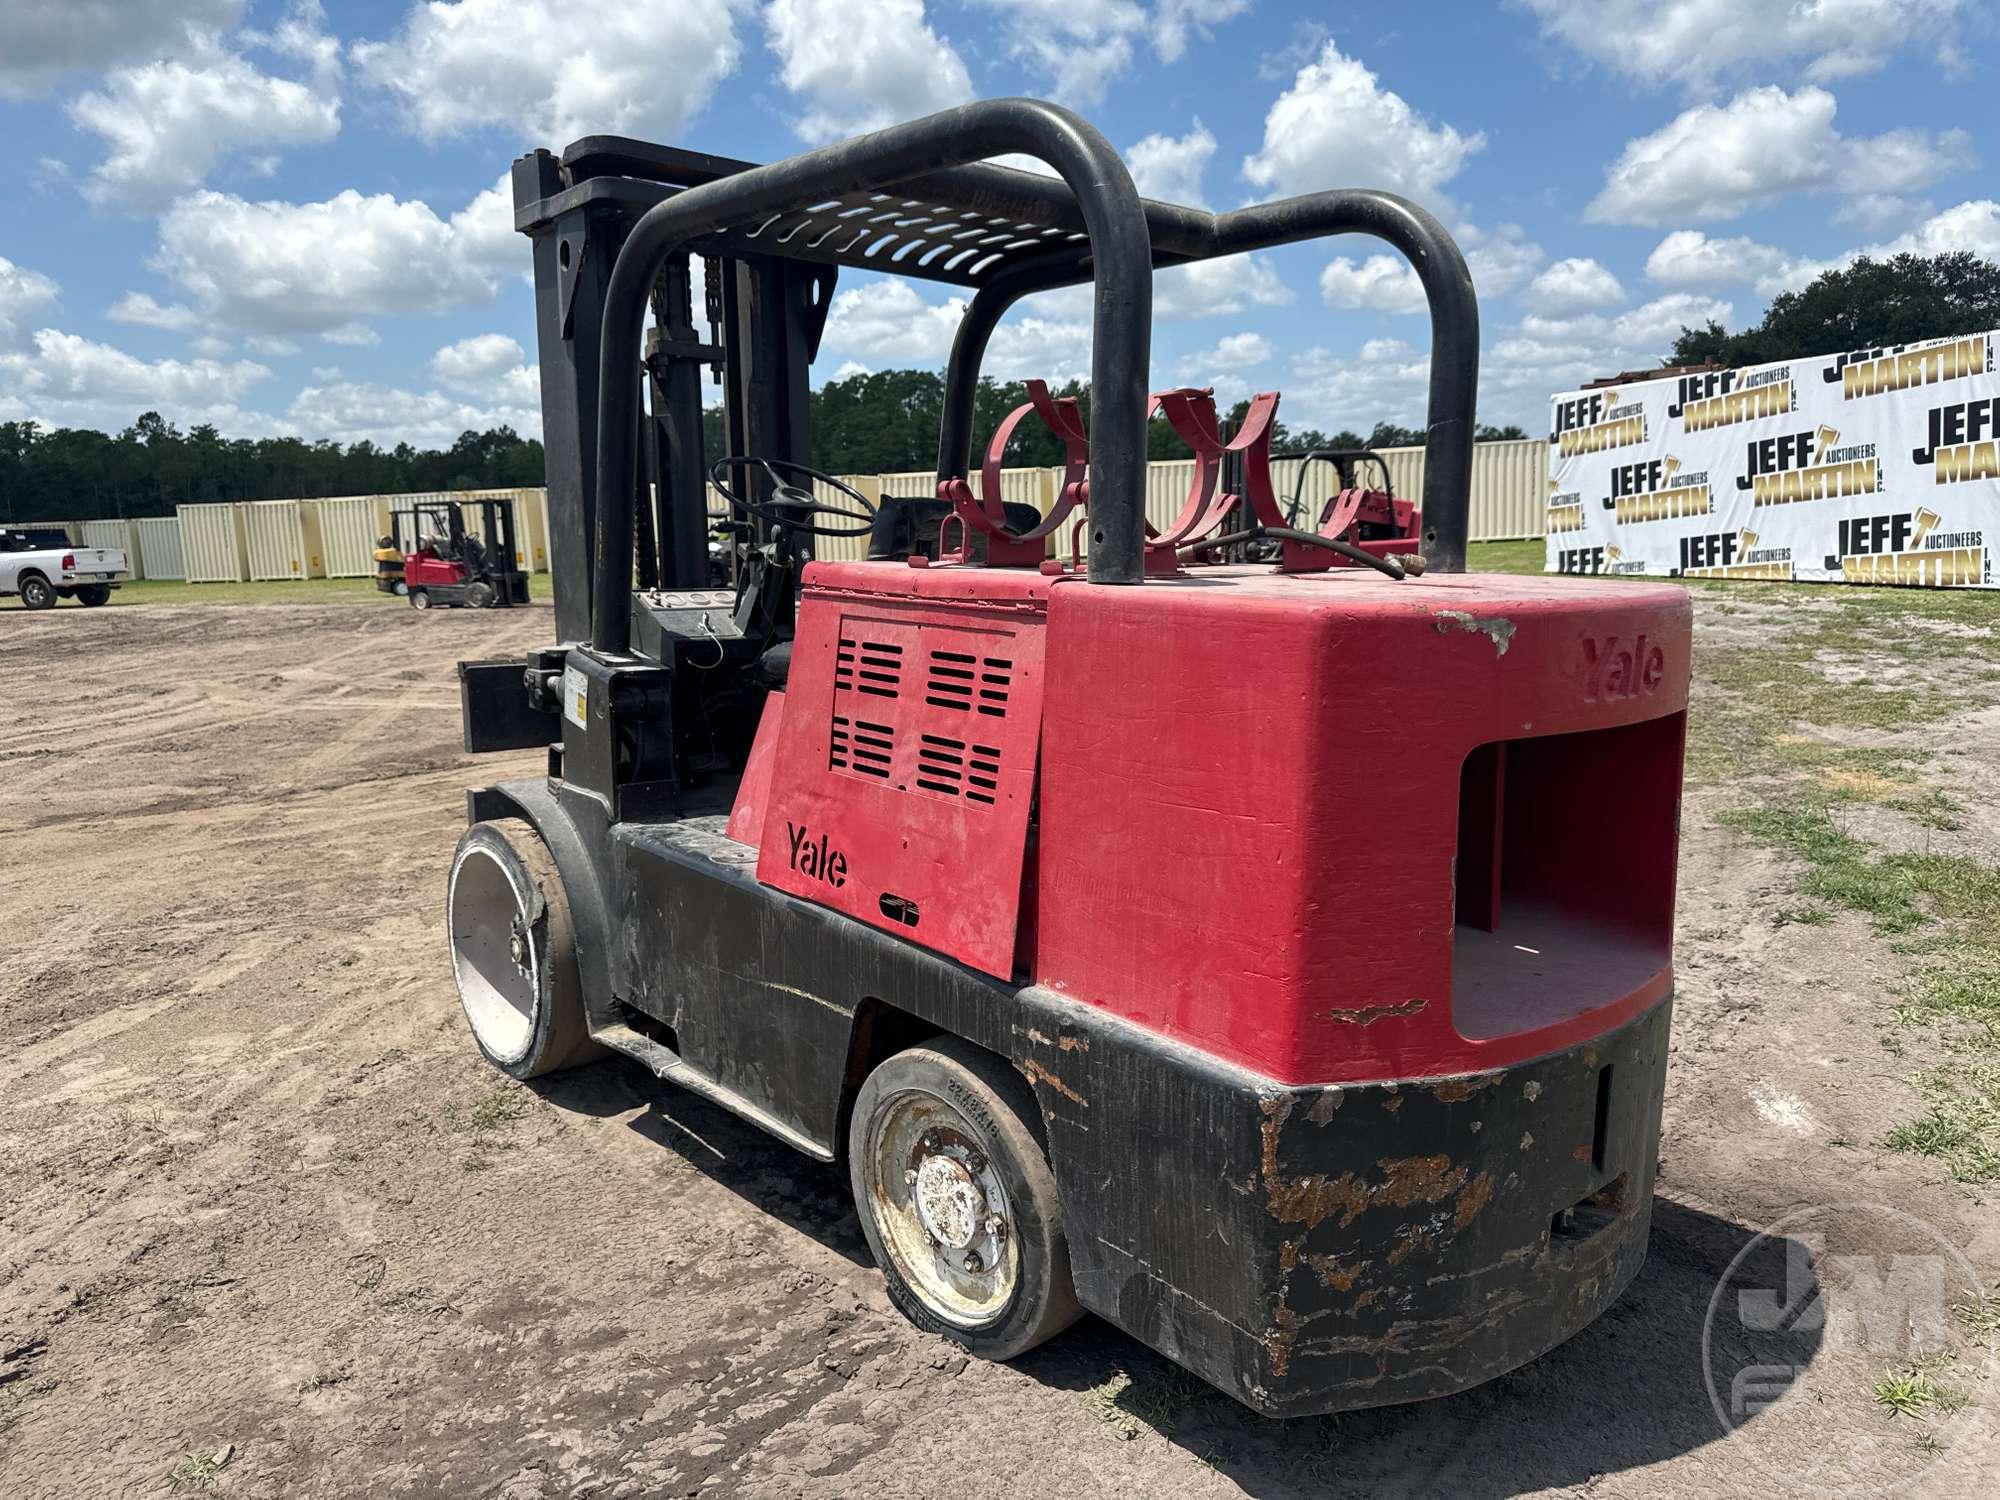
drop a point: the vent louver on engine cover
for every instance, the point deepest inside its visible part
(910, 740)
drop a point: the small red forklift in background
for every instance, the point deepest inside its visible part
(1270, 957)
(446, 563)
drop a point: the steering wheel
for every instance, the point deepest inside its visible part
(804, 499)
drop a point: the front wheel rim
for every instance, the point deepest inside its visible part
(495, 957)
(942, 1210)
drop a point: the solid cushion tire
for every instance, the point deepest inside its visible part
(559, 1032)
(996, 1103)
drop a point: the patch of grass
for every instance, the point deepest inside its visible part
(1978, 1311)
(1949, 907)
(501, 1107)
(1898, 892)
(1906, 1393)
(1772, 722)
(1158, 1400)
(198, 1469)
(1960, 1123)
(1101, 1400)
(1507, 557)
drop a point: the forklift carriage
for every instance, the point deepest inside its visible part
(1270, 958)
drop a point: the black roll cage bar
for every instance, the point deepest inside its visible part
(1126, 237)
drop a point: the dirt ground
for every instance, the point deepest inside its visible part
(269, 1226)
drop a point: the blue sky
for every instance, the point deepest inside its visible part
(282, 217)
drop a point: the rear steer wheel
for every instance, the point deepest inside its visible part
(420, 598)
(513, 952)
(95, 594)
(955, 1195)
(37, 592)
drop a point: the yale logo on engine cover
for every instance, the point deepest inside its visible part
(1615, 668)
(820, 860)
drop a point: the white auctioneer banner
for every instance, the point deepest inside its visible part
(1876, 466)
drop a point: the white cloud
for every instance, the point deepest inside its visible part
(1689, 259)
(1170, 168)
(167, 122)
(1235, 351)
(1575, 285)
(1876, 213)
(1337, 127)
(1198, 289)
(43, 41)
(208, 346)
(1693, 261)
(357, 411)
(278, 269)
(1381, 283)
(353, 336)
(474, 361)
(1544, 353)
(72, 381)
(1217, 288)
(863, 64)
(1696, 42)
(271, 348)
(1973, 225)
(1083, 45)
(1499, 260)
(140, 308)
(1717, 161)
(554, 70)
(887, 324)
(1384, 381)
(24, 296)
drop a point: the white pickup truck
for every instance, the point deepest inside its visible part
(40, 565)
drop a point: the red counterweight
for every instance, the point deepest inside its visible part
(1328, 826)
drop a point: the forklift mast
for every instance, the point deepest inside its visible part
(1308, 916)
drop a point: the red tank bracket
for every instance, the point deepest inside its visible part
(984, 514)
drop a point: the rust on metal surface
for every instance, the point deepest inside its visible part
(1452, 1090)
(1338, 1277)
(1039, 1074)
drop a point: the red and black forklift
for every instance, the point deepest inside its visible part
(1270, 957)
(445, 563)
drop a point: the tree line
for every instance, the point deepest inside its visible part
(74, 473)
(1869, 304)
(880, 423)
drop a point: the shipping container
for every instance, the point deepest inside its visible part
(212, 543)
(348, 528)
(110, 534)
(71, 529)
(159, 539)
(283, 537)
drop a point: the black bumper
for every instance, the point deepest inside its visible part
(1323, 1249)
